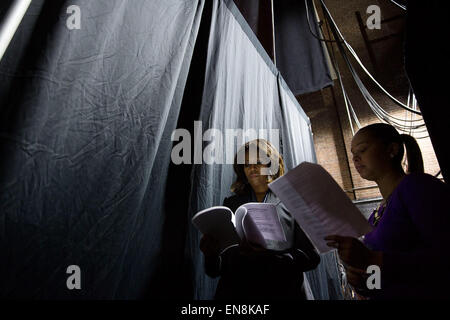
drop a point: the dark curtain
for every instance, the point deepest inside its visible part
(426, 63)
(300, 57)
(86, 123)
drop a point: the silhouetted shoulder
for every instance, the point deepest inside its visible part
(423, 195)
(422, 182)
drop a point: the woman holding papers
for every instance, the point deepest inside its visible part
(409, 242)
(247, 271)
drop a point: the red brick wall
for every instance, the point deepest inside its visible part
(326, 109)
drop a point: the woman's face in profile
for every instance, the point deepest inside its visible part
(252, 170)
(370, 156)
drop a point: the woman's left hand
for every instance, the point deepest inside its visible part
(353, 252)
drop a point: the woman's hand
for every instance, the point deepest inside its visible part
(209, 246)
(354, 253)
(356, 257)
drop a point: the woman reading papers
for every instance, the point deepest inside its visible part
(409, 241)
(248, 271)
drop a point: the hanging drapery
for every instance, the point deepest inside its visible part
(300, 56)
(88, 108)
(86, 119)
(243, 90)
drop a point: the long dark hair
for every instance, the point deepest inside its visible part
(387, 134)
(241, 186)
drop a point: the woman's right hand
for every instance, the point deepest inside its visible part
(209, 246)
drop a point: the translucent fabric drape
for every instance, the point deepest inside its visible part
(86, 119)
(243, 90)
(87, 112)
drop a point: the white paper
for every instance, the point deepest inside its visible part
(319, 205)
(218, 222)
(259, 223)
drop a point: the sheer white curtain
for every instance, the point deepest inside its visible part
(244, 90)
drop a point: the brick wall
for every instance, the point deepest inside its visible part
(326, 109)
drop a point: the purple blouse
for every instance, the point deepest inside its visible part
(413, 234)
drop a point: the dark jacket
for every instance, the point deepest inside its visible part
(266, 276)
